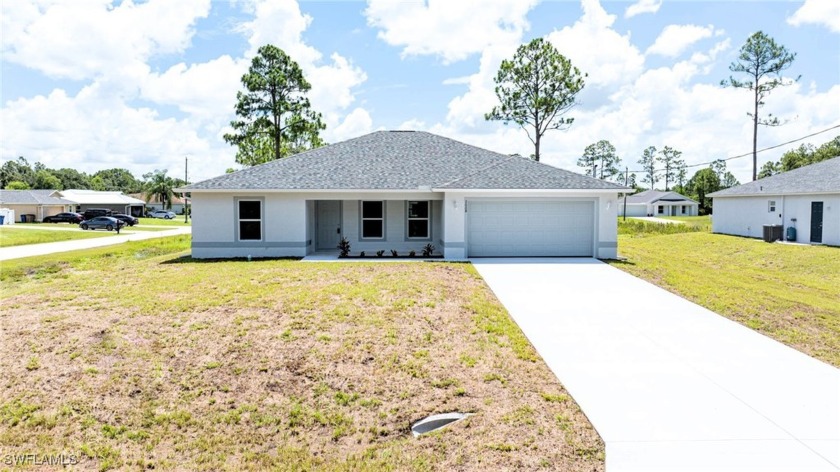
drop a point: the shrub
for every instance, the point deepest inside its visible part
(394, 253)
(428, 249)
(344, 247)
(380, 253)
(362, 254)
(412, 253)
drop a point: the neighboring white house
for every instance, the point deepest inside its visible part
(807, 198)
(403, 190)
(117, 202)
(658, 203)
(40, 203)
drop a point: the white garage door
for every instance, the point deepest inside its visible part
(530, 228)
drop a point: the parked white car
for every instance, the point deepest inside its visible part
(166, 215)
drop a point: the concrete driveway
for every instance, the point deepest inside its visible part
(669, 385)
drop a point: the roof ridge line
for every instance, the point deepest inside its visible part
(495, 164)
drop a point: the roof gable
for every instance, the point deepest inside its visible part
(400, 160)
(651, 196)
(31, 197)
(822, 177)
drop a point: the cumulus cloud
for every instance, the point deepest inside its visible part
(597, 49)
(83, 40)
(450, 30)
(112, 121)
(675, 39)
(642, 6)
(818, 12)
(93, 131)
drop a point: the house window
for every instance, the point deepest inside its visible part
(683, 209)
(373, 220)
(418, 220)
(661, 209)
(771, 206)
(250, 220)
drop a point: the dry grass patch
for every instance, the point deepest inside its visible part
(276, 364)
(787, 292)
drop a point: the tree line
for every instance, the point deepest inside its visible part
(19, 174)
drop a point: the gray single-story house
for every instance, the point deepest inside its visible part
(402, 190)
(659, 203)
(807, 198)
(41, 203)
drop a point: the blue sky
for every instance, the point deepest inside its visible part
(98, 84)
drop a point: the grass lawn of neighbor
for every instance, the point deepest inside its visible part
(11, 236)
(281, 364)
(787, 292)
(177, 221)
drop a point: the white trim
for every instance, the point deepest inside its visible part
(240, 220)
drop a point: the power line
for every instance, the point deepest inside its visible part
(750, 153)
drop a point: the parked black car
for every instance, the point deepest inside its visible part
(127, 219)
(102, 222)
(64, 218)
(94, 212)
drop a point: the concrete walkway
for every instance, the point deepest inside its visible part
(669, 385)
(29, 250)
(653, 219)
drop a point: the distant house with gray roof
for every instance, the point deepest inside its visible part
(807, 199)
(659, 203)
(40, 203)
(403, 190)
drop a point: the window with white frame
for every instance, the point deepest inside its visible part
(661, 209)
(373, 219)
(418, 219)
(683, 209)
(771, 206)
(249, 214)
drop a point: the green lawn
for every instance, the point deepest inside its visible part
(177, 221)
(11, 236)
(787, 292)
(283, 365)
(702, 221)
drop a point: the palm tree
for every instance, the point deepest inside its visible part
(158, 184)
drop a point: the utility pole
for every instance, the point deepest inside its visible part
(626, 181)
(184, 195)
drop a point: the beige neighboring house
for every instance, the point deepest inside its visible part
(154, 203)
(39, 203)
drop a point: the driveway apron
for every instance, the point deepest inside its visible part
(670, 385)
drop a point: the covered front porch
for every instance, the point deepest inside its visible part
(375, 223)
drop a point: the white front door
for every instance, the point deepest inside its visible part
(328, 223)
(530, 228)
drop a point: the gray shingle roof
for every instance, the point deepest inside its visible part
(31, 197)
(650, 196)
(401, 160)
(822, 177)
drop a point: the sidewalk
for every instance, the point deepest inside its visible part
(17, 252)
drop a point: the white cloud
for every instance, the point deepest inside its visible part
(86, 39)
(818, 12)
(642, 6)
(597, 49)
(206, 90)
(91, 132)
(675, 39)
(356, 123)
(103, 126)
(451, 30)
